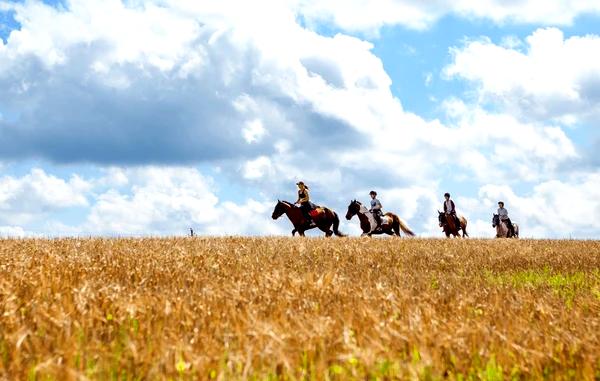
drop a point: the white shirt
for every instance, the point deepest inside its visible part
(502, 213)
(448, 206)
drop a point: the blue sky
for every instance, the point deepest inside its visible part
(150, 117)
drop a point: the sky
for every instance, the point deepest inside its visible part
(135, 118)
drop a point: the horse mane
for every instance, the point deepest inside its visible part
(287, 203)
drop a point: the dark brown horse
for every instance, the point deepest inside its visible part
(449, 227)
(323, 218)
(390, 223)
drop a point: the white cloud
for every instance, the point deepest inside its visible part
(12, 231)
(177, 83)
(164, 201)
(254, 131)
(554, 78)
(161, 200)
(327, 97)
(257, 168)
(268, 101)
(554, 208)
(360, 15)
(428, 79)
(496, 146)
(37, 194)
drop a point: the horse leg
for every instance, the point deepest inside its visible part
(294, 232)
(326, 228)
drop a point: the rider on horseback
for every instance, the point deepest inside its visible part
(376, 208)
(450, 210)
(304, 200)
(503, 215)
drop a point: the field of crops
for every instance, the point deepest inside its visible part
(279, 308)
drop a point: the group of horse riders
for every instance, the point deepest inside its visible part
(376, 209)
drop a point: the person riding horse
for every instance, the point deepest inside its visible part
(376, 208)
(503, 215)
(304, 201)
(450, 209)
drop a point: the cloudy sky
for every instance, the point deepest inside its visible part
(150, 117)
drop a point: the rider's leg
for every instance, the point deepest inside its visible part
(456, 221)
(511, 228)
(306, 212)
(377, 216)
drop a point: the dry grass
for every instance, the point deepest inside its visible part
(276, 308)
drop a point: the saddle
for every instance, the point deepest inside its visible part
(386, 220)
(316, 212)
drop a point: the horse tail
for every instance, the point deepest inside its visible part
(402, 225)
(336, 225)
(463, 223)
(516, 229)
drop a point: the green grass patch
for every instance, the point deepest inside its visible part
(565, 285)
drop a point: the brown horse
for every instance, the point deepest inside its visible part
(449, 226)
(323, 218)
(390, 223)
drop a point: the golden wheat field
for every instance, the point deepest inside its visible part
(299, 309)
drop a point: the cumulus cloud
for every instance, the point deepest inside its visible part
(552, 77)
(174, 83)
(37, 194)
(369, 16)
(12, 232)
(555, 208)
(265, 98)
(163, 201)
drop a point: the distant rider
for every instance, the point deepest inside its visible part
(450, 209)
(304, 201)
(376, 208)
(503, 215)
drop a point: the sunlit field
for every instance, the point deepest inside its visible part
(299, 309)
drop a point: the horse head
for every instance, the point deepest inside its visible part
(495, 220)
(441, 218)
(279, 209)
(353, 209)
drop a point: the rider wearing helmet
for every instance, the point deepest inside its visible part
(503, 214)
(304, 201)
(376, 208)
(450, 209)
